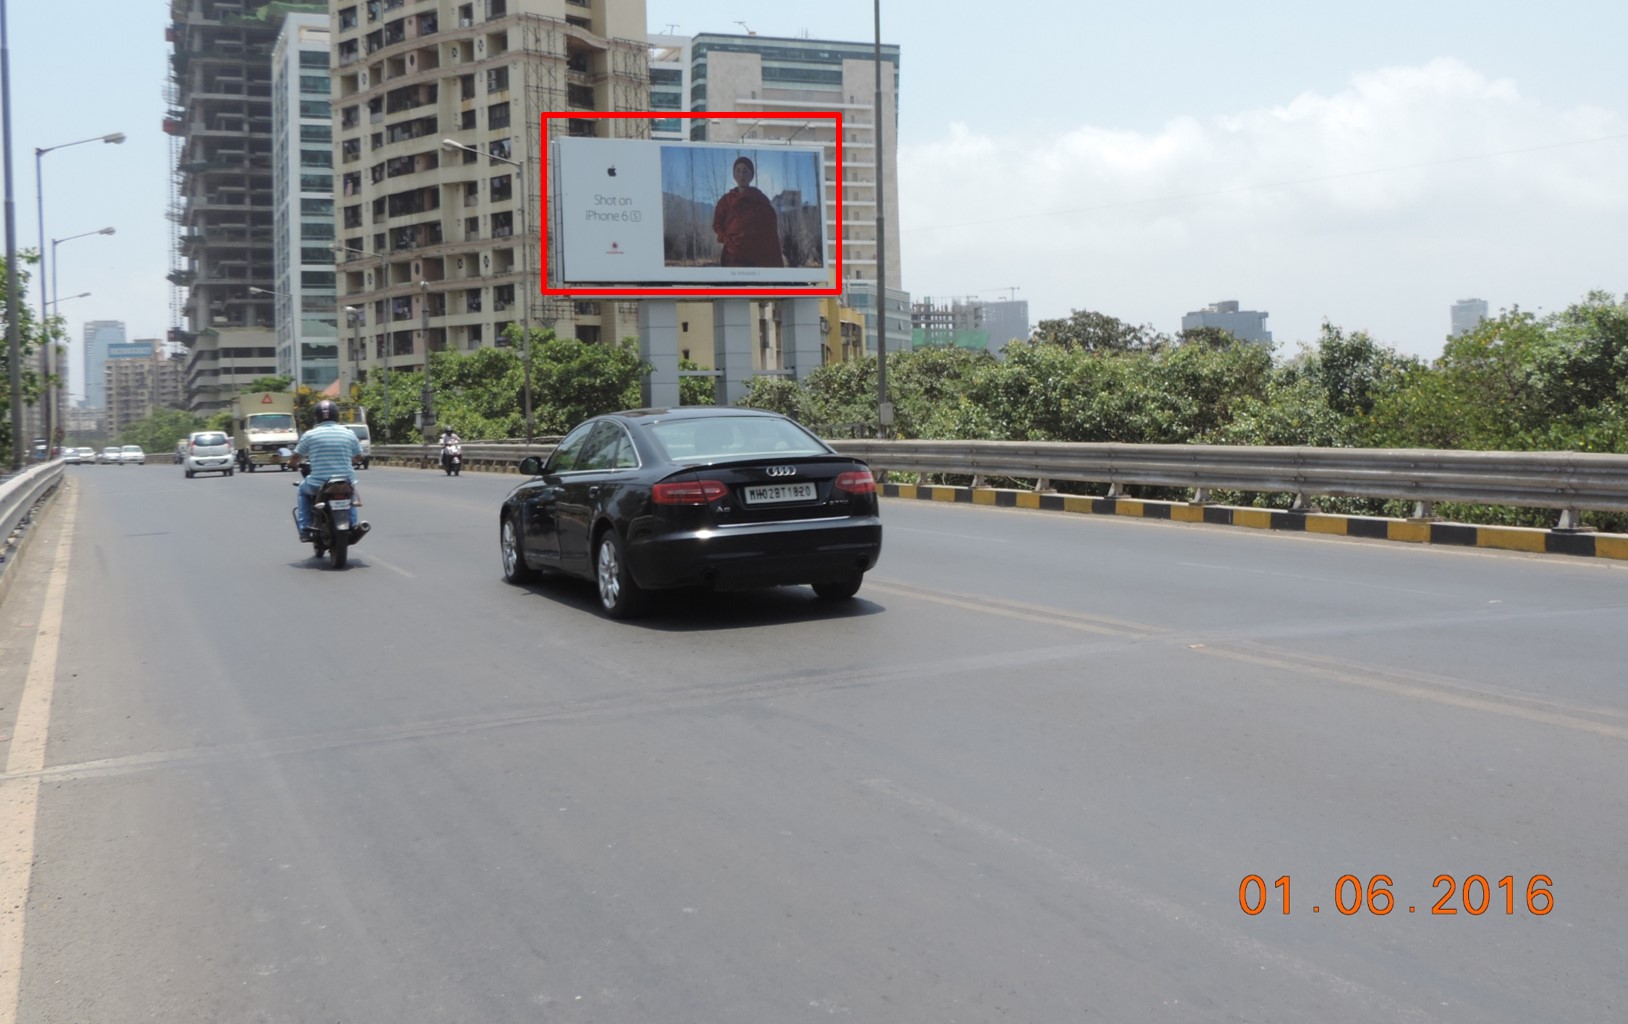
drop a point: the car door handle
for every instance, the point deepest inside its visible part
(593, 492)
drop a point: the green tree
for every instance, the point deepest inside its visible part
(282, 382)
(159, 432)
(31, 336)
(1098, 332)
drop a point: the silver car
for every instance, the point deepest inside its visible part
(208, 451)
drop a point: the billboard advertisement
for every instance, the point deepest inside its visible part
(634, 211)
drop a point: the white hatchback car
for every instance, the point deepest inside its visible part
(132, 455)
(109, 456)
(208, 451)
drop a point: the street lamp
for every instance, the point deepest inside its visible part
(65, 298)
(884, 408)
(383, 287)
(525, 257)
(354, 315)
(113, 138)
(45, 349)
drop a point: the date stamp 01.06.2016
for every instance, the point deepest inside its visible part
(1473, 895)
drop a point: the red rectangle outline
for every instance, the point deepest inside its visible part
(679, 291)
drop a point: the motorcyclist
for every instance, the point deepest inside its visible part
(449, 437)
(333, 452)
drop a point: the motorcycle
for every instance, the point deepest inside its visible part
(452, 458)
(334, 523)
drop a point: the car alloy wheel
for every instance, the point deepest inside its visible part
(618, 594)
(515, 569)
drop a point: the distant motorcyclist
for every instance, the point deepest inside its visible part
(451, 444)
(333, 452)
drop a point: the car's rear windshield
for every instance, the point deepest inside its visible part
(209, 440)
(715, 438)
(359, 429)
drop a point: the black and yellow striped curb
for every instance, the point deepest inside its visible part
(1415, 531)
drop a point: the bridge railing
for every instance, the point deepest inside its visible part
(1569, 481)
(18, 493)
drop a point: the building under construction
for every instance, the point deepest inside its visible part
(436, 242)
(968, 323)
(220, 124)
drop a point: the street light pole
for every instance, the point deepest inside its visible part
(13, 327)
(884, 408)
(426, 394)
(355, 315)
(47, 400)
(384, 354)
(525, 263)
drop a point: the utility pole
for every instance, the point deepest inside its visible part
(13, 321)
(884, 408)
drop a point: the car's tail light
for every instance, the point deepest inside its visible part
(857, 481)
(688, 492)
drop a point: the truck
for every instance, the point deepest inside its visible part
(263, 425)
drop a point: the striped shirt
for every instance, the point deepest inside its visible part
(329, 448)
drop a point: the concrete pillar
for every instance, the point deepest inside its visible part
(731, 349)
(658, 346)
(800, 334)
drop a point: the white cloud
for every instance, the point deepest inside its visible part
(1376, 207)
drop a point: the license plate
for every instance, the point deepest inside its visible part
(339, 503)
(769, 494)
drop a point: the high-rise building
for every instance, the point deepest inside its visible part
(221, 205)
(303, 200)
(1467, 315)
(140, 379)
(434, 241)
(670, 84)
(100, 336)
(766, 73)
(969, 323)
(1243, 324)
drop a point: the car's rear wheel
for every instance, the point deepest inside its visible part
(842, 591)
(619, 596)
(515, 569)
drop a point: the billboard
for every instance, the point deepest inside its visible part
(744, 217)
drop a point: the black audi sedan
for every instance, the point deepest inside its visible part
(699, 496)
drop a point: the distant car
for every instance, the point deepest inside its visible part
(208, 451)
(77, 456)
(110, 456)
(699, 496)
(132, 455)
(366, 438)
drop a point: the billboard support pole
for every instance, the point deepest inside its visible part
(658, 346)
(731, 349)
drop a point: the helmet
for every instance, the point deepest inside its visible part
(327, 412)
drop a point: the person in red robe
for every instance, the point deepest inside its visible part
(745, 223)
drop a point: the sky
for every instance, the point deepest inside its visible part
(1367, 164)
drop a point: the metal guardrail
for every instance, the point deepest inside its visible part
(1569, 481)
(477, 454)
(18, 494)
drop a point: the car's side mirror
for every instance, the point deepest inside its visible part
(531, 465)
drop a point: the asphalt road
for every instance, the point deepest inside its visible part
(1021, 778)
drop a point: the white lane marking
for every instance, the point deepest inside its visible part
(940, 533)
(373, 559)
(1379, 1005)
(1313, 579)
(19, 797)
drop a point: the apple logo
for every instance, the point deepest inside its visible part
(611, 170)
